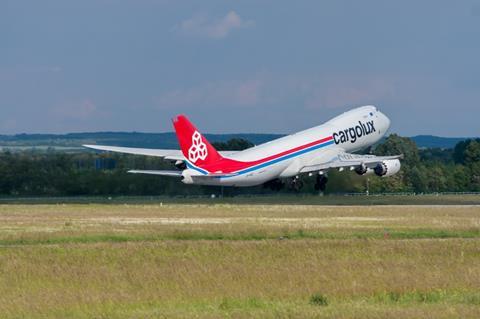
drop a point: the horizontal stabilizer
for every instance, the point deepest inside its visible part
(173, 155)
(163, 173)
(139, 151)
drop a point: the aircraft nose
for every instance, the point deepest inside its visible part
(385, 123)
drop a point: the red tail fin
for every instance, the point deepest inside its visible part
(195, 147)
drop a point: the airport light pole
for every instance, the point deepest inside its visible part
(368, 186)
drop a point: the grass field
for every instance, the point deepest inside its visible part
(239, 261)
(276, 199)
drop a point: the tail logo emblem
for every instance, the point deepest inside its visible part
(198, 150)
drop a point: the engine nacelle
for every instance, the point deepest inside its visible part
(180, 165)
(187, 176)
(363, 170)
(387, 168)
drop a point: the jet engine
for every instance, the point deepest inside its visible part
(363, 170)
(180, 165)
(187, 176)
(387, 168)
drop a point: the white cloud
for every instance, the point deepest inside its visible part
(214, 94)
(77, 110)
(283, 94)
(342, 91)
(202, 26)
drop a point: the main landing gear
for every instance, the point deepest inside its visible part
(274, 185)
(321, 183)
(296, 184)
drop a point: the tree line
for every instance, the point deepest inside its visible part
(431, 169)
(52, 173)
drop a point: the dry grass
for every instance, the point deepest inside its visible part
(120, 261)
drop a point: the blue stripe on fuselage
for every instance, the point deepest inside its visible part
(190, 165)
(274, 161)
(286, 157)
(280, 159)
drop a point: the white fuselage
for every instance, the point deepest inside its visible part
(282, 158)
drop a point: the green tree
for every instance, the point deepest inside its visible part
(389, 184)
(234, 144)
(472, 161)
(395, 145)
(472, 152)
(418, 179)
(460, 176)
(436, 179)
(460, 148)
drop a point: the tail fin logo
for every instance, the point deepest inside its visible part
(198, 150)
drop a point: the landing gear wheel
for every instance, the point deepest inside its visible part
(274, 185)
(296, 184)
(278, 186)
(321, 183)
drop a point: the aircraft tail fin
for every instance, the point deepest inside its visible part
(195, 147)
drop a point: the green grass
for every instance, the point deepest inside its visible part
(229, 261)
(280, 199)
(196, 236)
(427, 297)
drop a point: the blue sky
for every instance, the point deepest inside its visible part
(237, 66)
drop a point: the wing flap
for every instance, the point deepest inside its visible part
(348, 160)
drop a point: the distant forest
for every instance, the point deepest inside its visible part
(167, 140)
(54, 173)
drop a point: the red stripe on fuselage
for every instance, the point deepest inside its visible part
(226, 165)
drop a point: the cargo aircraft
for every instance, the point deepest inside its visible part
(313, 151)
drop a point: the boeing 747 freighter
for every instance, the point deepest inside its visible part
(312, 151)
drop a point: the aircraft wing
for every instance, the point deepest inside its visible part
(347, 160)
(178, 173)
(175, 155)
(163, 173)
